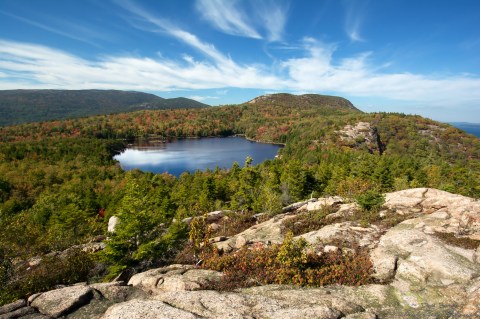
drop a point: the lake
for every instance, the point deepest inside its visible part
(471, 128)
(183, 155)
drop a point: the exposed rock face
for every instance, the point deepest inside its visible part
(262, 302)
(346, 232)
(174, 278)
(267, 232)
(362, 133)
(409, 253)
(211, 217)
(323, 202)
(13, 306)
(62, 301)
(423, 273)
(140, 309)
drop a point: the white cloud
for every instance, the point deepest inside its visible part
(246, 19)
(228, 17)
(24, 65)
(221, 92)
(35, 66)
(317, 71)
(201, 98)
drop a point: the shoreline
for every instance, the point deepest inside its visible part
(163, 140)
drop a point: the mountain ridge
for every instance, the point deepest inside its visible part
(23, 106)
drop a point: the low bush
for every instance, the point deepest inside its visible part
(308, 221)
(24, 281)
(288, 263)
(463, 242)
(234, 223)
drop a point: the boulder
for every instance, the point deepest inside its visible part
(405, 199)
(268, 232)
(13, 306)
(213, 227)
(347, 233)
(140, 309)
(59, 302)
(215, 216)
(240, 242)
(177, 278)
(407, 252)
(112, 224)
(93, 247)
(211, 217)
(217, 239)
(324, 202)
(19, 313)
(298, 205)
(114, 291)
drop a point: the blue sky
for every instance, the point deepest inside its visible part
(410, 56)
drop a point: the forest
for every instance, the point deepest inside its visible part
(59, 184)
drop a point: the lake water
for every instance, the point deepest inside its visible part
(183, 155)
(471, 128)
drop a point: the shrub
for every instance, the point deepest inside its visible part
(235, 223)
(308, 221)
(288, 264)
(74, 267)
(370, 200)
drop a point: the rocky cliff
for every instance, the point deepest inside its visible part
(426, 265)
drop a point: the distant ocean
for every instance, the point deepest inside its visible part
(471, 128)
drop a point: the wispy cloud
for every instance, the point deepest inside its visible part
(273, 17)
(246, 18)
(228, 17)
(157, 24)
(354, 15)
(201, 98)
(50, 28)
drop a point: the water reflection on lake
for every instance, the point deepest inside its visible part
(191, 154)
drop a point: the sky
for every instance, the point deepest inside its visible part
(408, 56)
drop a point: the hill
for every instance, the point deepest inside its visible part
(22, 106)
(305, 100)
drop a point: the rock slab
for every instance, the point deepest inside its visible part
(140, 309)
(59, 302)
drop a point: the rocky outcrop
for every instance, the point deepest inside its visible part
(19, 309)
(174, 278)
(362, 133)
(62, 301)
(211, 217)
(268, 232)
(140, 309)
(347, 233)
(427, 266)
